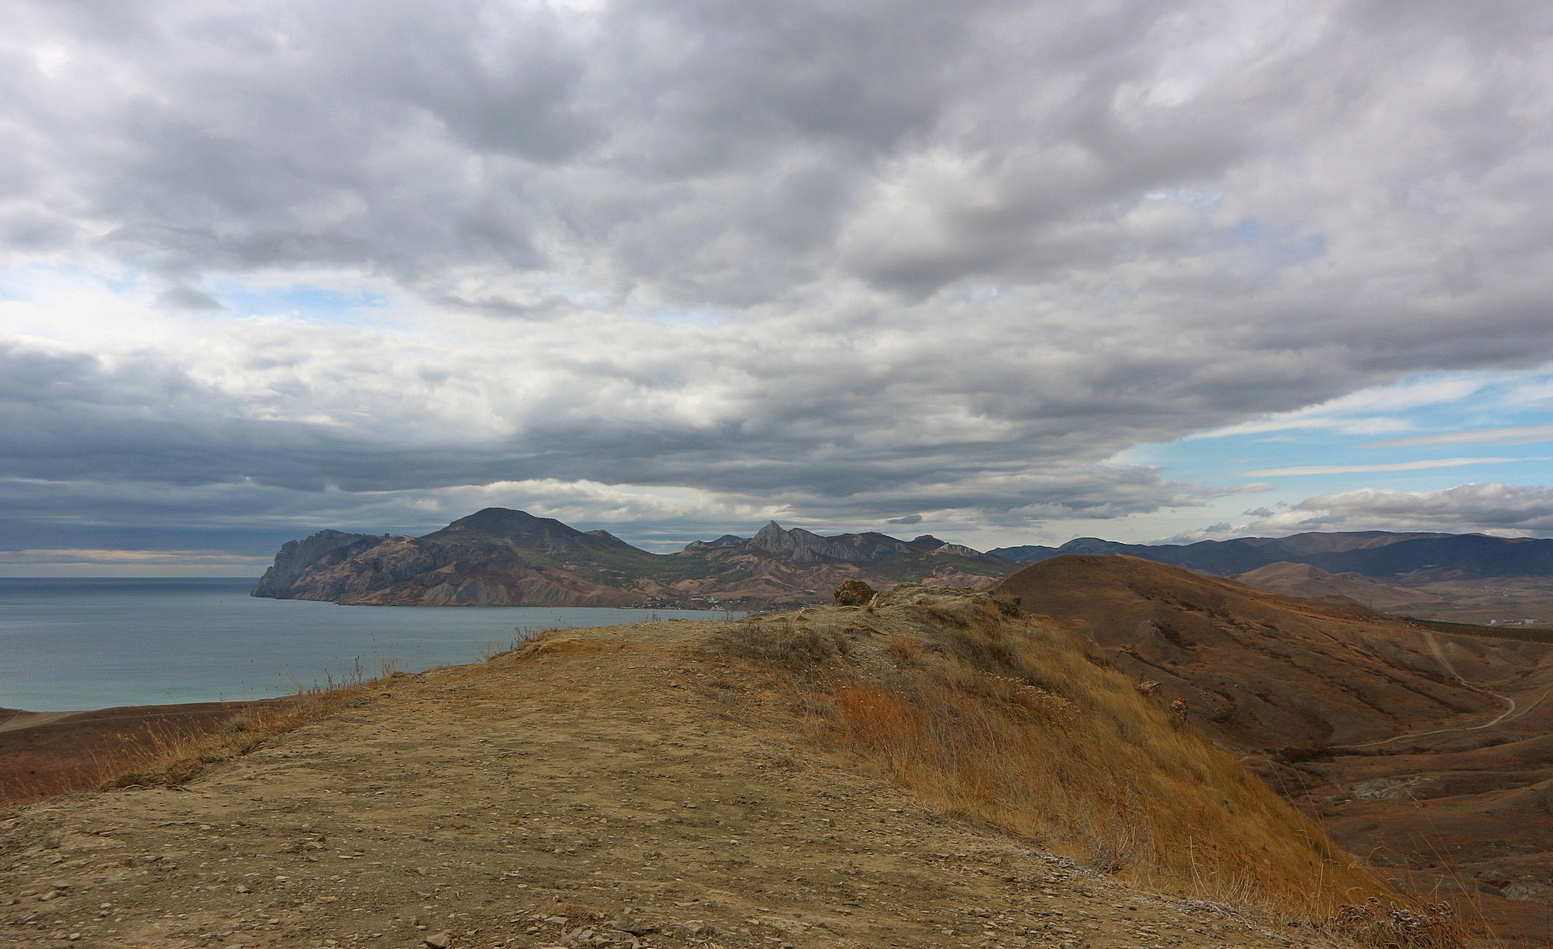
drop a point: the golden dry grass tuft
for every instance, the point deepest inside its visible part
(168, 757)
(1005, 718)
(172, 756)
(171, 750)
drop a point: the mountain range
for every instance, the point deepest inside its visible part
(1416, 557)
(500, 557)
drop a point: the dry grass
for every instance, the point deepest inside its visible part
(113, 755)
(173, 749)
(170, 752)
(171, 758)
(1006, 719)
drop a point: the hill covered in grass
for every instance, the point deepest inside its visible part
(1258, 669)
(1306, 581)
(1424, 746)
(931, 770)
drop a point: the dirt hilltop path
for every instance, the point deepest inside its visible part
(592, 792)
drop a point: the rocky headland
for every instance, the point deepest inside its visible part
(500, 557)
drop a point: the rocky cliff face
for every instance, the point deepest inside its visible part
(800, 546)
(301, 563)
(499, 557)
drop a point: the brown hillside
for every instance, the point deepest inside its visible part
(1303, 580)
(1425, 753)
(1258, 669)
(699, 784)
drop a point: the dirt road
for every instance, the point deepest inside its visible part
(602, 790)
(1513, 707)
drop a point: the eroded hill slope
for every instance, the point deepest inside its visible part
(1427, 753)
(1261, 670)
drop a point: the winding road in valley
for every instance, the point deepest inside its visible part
(1512, 709)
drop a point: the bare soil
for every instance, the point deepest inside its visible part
(597, 789)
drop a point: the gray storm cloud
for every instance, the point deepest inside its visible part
(839, 259)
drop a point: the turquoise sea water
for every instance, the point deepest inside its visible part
(68, 644)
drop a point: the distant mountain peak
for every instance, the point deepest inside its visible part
(802, 546)
(499, 520)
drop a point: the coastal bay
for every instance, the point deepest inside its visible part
(76, 644)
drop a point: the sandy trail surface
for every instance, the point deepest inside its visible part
(603, 789)
(12, 720)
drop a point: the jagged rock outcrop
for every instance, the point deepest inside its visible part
(801, 546)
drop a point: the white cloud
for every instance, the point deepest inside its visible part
(1505, 435)
(838, 261)
(1502, 508)
(1394, 466)
(1362, 412)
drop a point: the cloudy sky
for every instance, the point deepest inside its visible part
(1002, 271)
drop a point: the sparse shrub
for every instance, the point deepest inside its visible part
(854, 593)
(782, 643)
(1045, 707)
(173, 759)
(879, 718)
(171, 754)
(978, 652)
(1391, 926)
(1006, 604)
(904, 652)
(947, 618)
(810, 707)
(1101, 660)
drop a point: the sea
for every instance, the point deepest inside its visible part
(79, 644)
